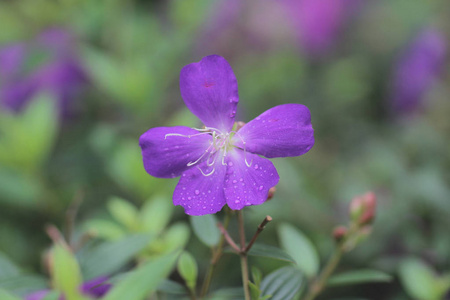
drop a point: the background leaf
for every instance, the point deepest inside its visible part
(359, 276)
(270, 252)
(109, 257)
(418, 280)
(300, 248)
(205, 228)
(282, 284)
(143, 281)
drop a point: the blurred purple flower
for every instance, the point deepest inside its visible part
(261, 24)
(417, 70)
(95, 288)
(218, 164)
(317, 22)
(47, 63)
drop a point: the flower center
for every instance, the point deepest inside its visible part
(219, 147)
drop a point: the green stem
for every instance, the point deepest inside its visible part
(216, 254)
(320, 282)
(243, 255)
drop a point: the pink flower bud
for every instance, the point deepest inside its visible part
(362, 208)
(339, 233)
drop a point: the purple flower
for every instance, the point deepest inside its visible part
(218, 164)
(96, 288)
(47, 63)
(417, 70)
(317, 22)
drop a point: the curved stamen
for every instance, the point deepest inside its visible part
(214, 160)
(209, 174)
(191, 163)
(184, 135)
(245, 151)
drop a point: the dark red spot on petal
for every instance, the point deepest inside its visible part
(208, 84)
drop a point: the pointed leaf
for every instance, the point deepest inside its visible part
(143, 281)
(187, 267)
(418, 279)
(300, 248)
(124, 212)
(66, 273)
(270, 252)
(359, 276)
(282, 284)
(109, 257)
(156, 213)
(256, 276)
(254, 291)
(205, 228)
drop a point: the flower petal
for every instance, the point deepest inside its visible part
(199, 194)
(209, 89)
(281, 131)
(167, 151)
(248, 184)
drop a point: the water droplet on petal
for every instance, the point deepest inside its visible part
(261, 187)
(237, 201)
(234, 181)
(189, 198)
(241, 179)
(230, 163)
(197, 192)
(256, 167)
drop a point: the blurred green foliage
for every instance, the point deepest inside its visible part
(132, 52)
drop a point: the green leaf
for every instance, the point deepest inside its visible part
(256, 276)
(26, 139)
(359, 276)
(187, 267)
(111, 256)
(176, 237)
(171, 287)
(418, 279)
(263, 250)
(124, 212)
(143, 281)
(156, 213)
(205, 228)
(106, 229)
(300, 248)
(5, 295)
(23, 284)
(66, 273)
(282, 284)
(7, 267)
(254, 291)
(228, 294)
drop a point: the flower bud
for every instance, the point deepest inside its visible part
(339, 233)
(362, 209)
(271, 193)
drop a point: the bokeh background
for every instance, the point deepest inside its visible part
(81, 80)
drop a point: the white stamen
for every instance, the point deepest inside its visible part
(206, 175)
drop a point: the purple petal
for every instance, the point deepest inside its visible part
(166, 154)
(38, 295)
(248, 184)
(281, 131)
(199, 194)
(209, 89)
(417, 70)
(96, 287)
